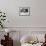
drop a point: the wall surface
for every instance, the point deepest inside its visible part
(39, 13)
(37, 17)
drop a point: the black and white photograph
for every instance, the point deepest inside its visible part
(24, 11)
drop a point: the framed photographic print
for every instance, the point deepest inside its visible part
(24, 11)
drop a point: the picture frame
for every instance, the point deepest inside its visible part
(24, 11)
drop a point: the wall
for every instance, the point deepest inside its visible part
(37, 17)
(11, 7)
(39, 13)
